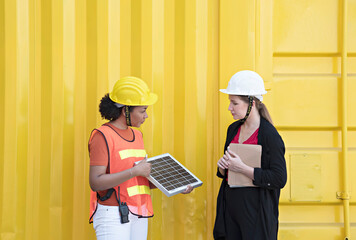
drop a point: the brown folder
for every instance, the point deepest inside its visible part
(250, 154)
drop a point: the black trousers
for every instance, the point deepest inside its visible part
(241, 212)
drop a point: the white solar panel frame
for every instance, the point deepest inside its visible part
(177, 190)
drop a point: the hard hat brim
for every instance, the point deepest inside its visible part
(225, 91)
(152, 99)
(241, 94)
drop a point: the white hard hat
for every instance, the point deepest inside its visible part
(246, 83)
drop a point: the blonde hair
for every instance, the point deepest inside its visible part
(262, 109)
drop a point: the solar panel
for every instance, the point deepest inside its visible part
(170, 176)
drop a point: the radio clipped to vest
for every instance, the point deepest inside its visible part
(123, 208)
(124, 213)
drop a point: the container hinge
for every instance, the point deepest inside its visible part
(343, 195)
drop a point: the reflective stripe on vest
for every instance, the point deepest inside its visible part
(139, 189)
(127, 153)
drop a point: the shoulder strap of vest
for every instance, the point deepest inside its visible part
(111, 190)
(120, 135)
(137, 131)
(107, 145)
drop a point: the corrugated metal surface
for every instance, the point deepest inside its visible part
(307, 71)
(58, 58)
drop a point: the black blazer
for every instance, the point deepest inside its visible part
(271, 177)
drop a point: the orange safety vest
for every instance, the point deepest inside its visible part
(122, 155)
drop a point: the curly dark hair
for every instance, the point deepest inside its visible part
(108, 109)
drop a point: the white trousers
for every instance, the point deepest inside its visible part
(107, 225)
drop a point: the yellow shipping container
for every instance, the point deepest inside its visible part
(59, 57)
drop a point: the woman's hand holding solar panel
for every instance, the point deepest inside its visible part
(143, 168)
(189, 189)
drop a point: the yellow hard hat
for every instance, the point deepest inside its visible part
(132, 91)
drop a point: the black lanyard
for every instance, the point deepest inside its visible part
(250, 102)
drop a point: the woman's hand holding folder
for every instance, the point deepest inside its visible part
(235, 164)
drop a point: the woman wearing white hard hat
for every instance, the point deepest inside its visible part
(250, 213)
(120, 200)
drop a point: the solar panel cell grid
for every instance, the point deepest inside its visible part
(170, 176)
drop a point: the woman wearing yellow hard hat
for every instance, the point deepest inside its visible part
(120, 200)
(250, 213)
